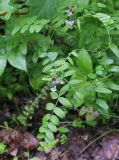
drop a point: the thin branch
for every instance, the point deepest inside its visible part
(98, 138)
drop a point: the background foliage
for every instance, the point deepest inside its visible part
(65, 52)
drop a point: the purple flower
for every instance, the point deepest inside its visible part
(56, 82)
(70, 23)
(69, 13)
(53, 89)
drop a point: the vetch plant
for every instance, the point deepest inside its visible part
(66, 52)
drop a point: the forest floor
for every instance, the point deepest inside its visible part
(90, 143)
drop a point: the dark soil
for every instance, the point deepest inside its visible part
(105, 148)
(82, 144)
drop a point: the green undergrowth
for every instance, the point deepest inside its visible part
(66, 53)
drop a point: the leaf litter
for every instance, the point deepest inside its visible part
(105, 147)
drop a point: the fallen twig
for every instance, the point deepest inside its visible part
(95, 140)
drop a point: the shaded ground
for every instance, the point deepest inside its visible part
(106, 148)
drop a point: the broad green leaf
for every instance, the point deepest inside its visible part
(102, 103)
(17, 60)
(101, 89)
(59, 112)
(3, 62)
(54, 95)
(54, 119)
(114, 86)
(84, 62)
(50, 106)
(65, 102)
(114, 49)
(52, 127)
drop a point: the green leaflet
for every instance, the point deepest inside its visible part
(114, 49)
(52, 55)
(2, 148)
(114, 86)
(50, 106)
(52, 127)
(54, 119)
(102, 103)
(54, 95)
(49, 134)
(114, 69)
(63, 129)
(65, 102)
(64, 89)
(84, 62)
(102, 89)
(59, 112)
(105, 19)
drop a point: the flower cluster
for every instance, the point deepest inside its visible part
(69, 13)
(55, 83)
(70, 23)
